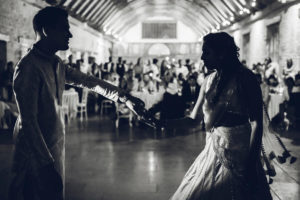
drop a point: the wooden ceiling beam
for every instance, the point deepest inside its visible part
(98, 6)
(102, 12)
(83, 6)
(90, 8)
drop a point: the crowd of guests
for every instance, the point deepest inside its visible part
(179, 82)
(280, 80)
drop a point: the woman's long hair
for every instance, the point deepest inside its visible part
(224, 46)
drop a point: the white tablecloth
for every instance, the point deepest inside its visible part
(70, 99)
(275, 101)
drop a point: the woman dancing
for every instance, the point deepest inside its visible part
(229, 167)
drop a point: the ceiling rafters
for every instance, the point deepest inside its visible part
(89, 8)
(215, 12)
(224, 8)
(118, 16)
(221, 14)
(208, 14)
(65, 3)
(73, 4)
(203, 15)
(82, 6)
(104, 18)
(142, 11)
(237, 3)
(178, 16)
(100, 5)
(103, 12)
(125, 9)
(229, 5)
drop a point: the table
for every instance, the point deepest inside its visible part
(274, 104)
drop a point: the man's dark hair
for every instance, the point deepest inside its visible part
(48, 17)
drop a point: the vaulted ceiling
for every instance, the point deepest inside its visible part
(115, 17)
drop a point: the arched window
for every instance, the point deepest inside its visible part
(159, 50)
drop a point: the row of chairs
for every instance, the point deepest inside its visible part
(120, 110)
(81, 107)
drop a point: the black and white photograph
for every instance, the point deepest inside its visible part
(149, 99)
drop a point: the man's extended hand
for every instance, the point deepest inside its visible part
(138, 104)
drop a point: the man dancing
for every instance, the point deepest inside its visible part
(39, 81)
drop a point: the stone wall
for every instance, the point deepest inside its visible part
(16, 29)
(288, 17)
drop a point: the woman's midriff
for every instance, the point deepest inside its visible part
(232, 119)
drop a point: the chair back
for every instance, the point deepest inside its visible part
(84, 97)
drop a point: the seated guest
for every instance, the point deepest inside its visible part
(289, 74)
(138, 68)
(131, 81)
(169, 77)
(115, 79)
(147, 84)
(120, 68)
(190, 89)
(273, 82)
(171, 106)
(107, 67)
(70, 62)
(181, 69)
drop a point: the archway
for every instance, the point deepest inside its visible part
(159, 50)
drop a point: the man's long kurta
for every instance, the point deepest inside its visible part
(39, 82)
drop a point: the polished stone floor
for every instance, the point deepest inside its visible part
(105, 163)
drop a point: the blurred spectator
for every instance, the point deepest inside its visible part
(272, 68)
(164, 67)
(107, 67)
(171, 106)
(147, 84)
(95, 69)
(181, 70)
(289, 75)
(191, 89)
(120, 68)
(70, 62)
(138, 68)
(147, 66)
(132, 81)
(126, 66)
(79, 65)
(264, 89)
(188, 64)
(155, 70)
